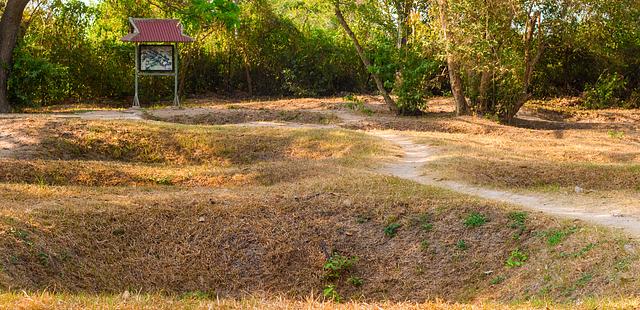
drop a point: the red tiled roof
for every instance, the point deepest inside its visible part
(156, 30)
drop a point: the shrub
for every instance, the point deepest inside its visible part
(605, 93)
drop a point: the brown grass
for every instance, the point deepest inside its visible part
(290, 198)
(274, 239)
(170, 144)
(103, 153)
(235, 115)
(533, 154)
(127, 300)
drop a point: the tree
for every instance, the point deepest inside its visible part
(9, 28)
(453, 66)
(365, 60)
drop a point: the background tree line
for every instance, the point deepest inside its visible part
(491, 55)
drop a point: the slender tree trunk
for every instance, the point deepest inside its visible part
(531, 59)
(365, 60)
(9, 28)
(247, 74)
(462, 108)
(452, 65)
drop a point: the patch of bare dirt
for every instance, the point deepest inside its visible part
(18, 136)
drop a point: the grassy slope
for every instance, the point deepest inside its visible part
(274, 236)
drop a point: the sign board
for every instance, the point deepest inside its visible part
(156, 58)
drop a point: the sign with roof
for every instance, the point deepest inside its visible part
(153, 55)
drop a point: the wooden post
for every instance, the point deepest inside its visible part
(136, 101)
(176, 99)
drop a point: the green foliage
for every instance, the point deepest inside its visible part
(330, 292)
(337, 264)
(475, 219)
(425, 222)
(615, 134)
(201, 12)
(391, 230)
(197, 295)
(355, 281)
(516, 259)
(605, 93)
(518, 220)
(424, 245)
(554, 237)
(461, 245)
(497, 280)
(71, 51)
(37, 81)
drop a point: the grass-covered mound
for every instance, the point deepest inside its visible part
(114, 153)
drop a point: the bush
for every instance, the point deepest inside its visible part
(36, 81)
(606, 92)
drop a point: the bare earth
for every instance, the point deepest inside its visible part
(602, 211)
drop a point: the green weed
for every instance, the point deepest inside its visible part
(425, 222)
(518, 219)
(461, 245)
(584, 279)
(516, 258)
(424, 245)
(580, 252)
(497, 280)
(196, 295)
(361, 219)
(330, 292)
(475, 219)
(555, 237)
(391, 230)
(355, 281)
(337, 264)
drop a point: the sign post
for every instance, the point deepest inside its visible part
(159, 59)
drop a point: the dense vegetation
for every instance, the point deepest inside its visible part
(496, 53)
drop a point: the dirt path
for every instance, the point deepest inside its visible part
(417, 155)
(410, 167)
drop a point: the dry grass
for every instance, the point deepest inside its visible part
(235, 115)
(524, 158)
(45, 300)
(275, 239)
(289, 198)
(594, 153)
(116, 153)
(570, 110)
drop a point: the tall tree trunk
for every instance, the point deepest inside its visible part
(452, 65)
(531, 59)
(462, 108)
(247, 74)
(365, 60)
(9, 28)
